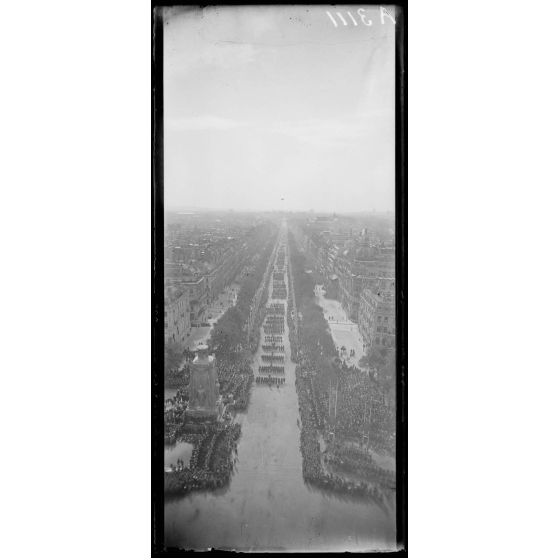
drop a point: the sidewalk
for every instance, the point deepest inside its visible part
(227, 299)
(344, 332)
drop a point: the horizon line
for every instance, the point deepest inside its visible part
(336, 212)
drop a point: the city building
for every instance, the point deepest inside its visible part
(177, 316)
(203, 260)
(352, 254)
(376, 319)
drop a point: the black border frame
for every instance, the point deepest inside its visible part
(157, 270)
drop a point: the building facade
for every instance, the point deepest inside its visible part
(177, 316)
(358, 265)
(198, 290)
(203, 262)
(376, 319)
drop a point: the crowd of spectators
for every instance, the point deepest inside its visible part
(362, 411)
(235, 379)
(214, 442)
(342, 417)
(211, 463)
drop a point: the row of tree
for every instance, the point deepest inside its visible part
(227, 333)
(314, 329)
(227, 336)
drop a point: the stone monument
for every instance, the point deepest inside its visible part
(204, 386)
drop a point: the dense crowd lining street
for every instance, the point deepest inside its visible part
(267, 476)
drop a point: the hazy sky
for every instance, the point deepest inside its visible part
(270, 102)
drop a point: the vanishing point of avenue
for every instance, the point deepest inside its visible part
(279, 381)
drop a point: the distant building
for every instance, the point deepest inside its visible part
(203, 261)
(357, 261)
(177, 316)
(376, 319)
(198, 289)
